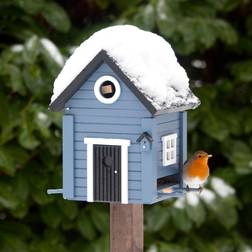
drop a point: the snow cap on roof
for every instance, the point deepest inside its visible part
(144, 57)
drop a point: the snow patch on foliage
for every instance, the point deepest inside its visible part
(208, 196)
(180, 203)
(199, 64)
(42, 116)
(221, 188)
(192, 199)
(146, 58)
(53, 51)
(161, 7)
(153, 248)
(17, 48)
(247, 249)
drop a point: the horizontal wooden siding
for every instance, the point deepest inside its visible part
(120, 120)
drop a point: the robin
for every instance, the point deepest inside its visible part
(196, 170)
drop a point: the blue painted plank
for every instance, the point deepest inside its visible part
(135, 175)
(164, 118)
(80, 127)
(80, 172)
(104, 68)
(80, 155)
(168, 127)
(68, 157)
(80, 182)
(80, 192)
(132, 165)
(109, 112)
(134, 185)
(80, 164)
(100, 72)
(119, 104)
(135, 194)
(108, 120)
(166, 171)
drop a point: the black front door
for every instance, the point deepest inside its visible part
(107, 173)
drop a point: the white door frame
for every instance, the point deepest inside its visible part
(124, 143)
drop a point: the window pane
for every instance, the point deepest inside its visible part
(172, 154)
(168, 144)
(168, 155)
(172, 143)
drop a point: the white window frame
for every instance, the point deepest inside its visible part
(97, 91)
(124, 143)
(169, 149)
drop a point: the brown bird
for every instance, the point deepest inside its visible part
(196, 170)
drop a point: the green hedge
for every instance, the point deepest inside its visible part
(213, 41)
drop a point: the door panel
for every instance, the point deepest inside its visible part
(107, 173)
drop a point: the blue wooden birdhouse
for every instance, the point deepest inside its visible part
(124, 99)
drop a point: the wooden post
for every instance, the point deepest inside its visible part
(126, 228)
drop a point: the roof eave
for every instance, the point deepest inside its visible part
(177, 108)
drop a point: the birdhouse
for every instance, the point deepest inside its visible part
(145, 140)
(124, 99)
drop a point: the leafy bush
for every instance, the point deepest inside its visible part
(213, 41)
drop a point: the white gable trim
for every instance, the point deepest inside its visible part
(124, 143)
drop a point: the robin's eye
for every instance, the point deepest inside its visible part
(199, 156)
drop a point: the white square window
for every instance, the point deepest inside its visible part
(169, 149)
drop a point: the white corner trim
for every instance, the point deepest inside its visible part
(90, 175)
(124, 143)
(98, 84)
(124, 175)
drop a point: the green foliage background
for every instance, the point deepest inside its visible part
(213, 41)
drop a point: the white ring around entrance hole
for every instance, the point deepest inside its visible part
(97, 91)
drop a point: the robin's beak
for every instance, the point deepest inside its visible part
(210, 155)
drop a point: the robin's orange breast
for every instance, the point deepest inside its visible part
(197, 169)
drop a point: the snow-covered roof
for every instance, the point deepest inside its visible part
(144, 57)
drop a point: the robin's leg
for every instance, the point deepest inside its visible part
(200, 189)
(187, 188)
